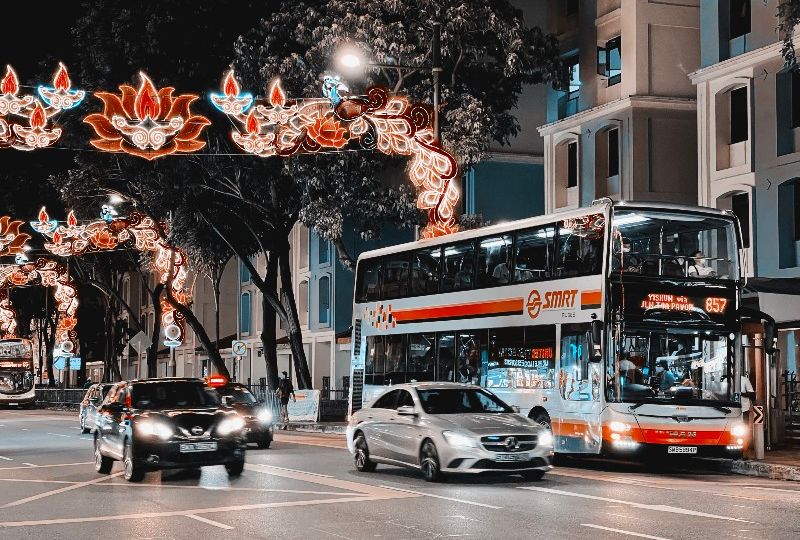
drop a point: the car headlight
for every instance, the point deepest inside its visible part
(545, 438)
(264, 416)
(739, 430)
(230, 425)
(154, 428)
(619, 427)
(458, 440)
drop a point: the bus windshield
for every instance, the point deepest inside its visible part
(670, 366)
(16, 367)
(672, 244)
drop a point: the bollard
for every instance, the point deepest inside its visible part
(758, 441)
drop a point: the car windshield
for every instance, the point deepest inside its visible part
(671, 366)
(239, 394)
(169, 395)
(460, 401)
(661, 243)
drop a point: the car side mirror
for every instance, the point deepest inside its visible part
(596, 341)
(227, 401)
(94, 401)
(406, 410)
(516, 409)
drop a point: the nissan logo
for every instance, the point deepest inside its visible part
(511, 443)
(197, 430)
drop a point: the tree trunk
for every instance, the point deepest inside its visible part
(268, 330)
(152, 350)
(295, 332)
(49, 337)
(216, 284)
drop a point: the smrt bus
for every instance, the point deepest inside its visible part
(16, 372)
(618, 325)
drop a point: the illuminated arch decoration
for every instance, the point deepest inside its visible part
(136, 231)
(147, 122)
(12, 242)
(380, 121)
(46, 273)
(8, 316)
(24, 118)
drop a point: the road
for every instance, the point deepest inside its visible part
(305, 487)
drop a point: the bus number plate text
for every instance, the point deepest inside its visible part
(681, 450)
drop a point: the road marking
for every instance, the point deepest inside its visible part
(312, 441)
(331, 533)
(795, 491)
(60, 490)
(228, 488)
(210, 522)
(36, 481)
(656, 507)
(297, 471)
(29, 464)
(44, 466)
(620, 531)
(443, 497)
(60, 435)
(6, 458)
(362, 489)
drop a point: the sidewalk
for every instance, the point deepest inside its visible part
(337, 428)
(777, 465)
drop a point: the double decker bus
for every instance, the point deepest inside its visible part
(618, 325)
(16, 372)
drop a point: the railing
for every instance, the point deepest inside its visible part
(60, 396)
(791, 407)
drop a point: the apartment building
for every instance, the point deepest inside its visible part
(625, 127)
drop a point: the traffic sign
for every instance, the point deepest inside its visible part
(140, 342)
(239, 348)
(758, 414)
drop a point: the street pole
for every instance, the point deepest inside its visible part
(436, 69)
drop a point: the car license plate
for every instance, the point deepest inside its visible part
(187, 448)
(523, 456)
(681, 450)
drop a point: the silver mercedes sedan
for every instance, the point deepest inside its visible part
(444, 428)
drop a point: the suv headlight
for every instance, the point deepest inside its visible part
(545, 438)
(230, 425)
(264, 416)
(154, 428)
(458, 440)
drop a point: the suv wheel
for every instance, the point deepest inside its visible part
(102, 464)
(429, 462)
(235, 468)
(264, 441)
(361, 456)
(133, 471)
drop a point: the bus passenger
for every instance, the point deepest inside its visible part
(666, 379)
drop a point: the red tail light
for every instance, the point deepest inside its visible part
(215, 381)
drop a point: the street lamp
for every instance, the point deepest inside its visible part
(351, 59)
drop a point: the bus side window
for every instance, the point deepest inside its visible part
(421, 357)
(395, 276)
(375, 364)
(580, 247)
(446, 358)
(494, 261)
(368, 280)
(395, 359)
(534, 254)
(458, 272)
(425, 270)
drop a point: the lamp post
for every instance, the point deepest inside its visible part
(352, 60)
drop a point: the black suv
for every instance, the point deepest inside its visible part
(167, 423)
(257, 415)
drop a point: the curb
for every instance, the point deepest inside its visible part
(317, 428)
(758, 469)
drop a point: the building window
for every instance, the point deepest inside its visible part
(788, 223)
(572, 164)
(740, 204)
(739, 18)
(244, 273)
(324, 251)
(302, 240)
(245, 311)
(795, 98)
(324, 291)
(613, 152)
(738, 118)
(568, 101)
(302, 302)
(609, 61)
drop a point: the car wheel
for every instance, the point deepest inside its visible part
(429, 462)
(102, 464)
(532, 475)
(264, 442)
(235, 468)
(133, 471)
(361, 456)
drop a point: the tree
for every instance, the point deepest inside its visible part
(788, 19)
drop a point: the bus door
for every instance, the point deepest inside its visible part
(579, 383)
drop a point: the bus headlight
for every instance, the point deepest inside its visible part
(458, 440)
(619, 427)
(739, 430)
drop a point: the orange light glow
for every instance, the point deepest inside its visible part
(147, 103)
(231, 86)
(252, 126)
(43, 217)
(71, 219)
(61, 79)
(38, 117)
(9, 84)
(277, 97)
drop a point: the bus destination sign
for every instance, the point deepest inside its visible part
(675, 302)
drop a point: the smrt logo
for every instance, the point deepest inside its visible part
(552, 300)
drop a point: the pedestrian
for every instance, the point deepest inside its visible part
(285, 391)
(88, 384)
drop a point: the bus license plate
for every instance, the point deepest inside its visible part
(681, 450)
(512, 457)
(187, 448)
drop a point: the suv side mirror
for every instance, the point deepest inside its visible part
(595, 341)
(227, 401)
(406, 410)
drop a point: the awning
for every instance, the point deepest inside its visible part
(774, 285)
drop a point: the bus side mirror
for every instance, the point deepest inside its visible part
(596, 337)
(769, 337)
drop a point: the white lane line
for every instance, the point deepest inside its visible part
(620, 531)
(296, 471)
(60, 490)
(29, 465)
(36, 481)
(656, 507)
(60, 435)
(795, 491)
(4, 458)
(210, 522)
(214, 488)
(443, 497)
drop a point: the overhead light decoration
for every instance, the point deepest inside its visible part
(24, 118)
(147, 122)
(48, 273)
(136, 231)
(390, 124)
(8, 316)
(12, 242)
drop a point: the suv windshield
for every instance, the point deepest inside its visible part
(460, 401)
(664, 365)
(674, 244)
(239, 394)
(172, 395)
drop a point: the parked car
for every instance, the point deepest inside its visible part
(258, 417)
(167, 423)
(87, 413)
(442, 428)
